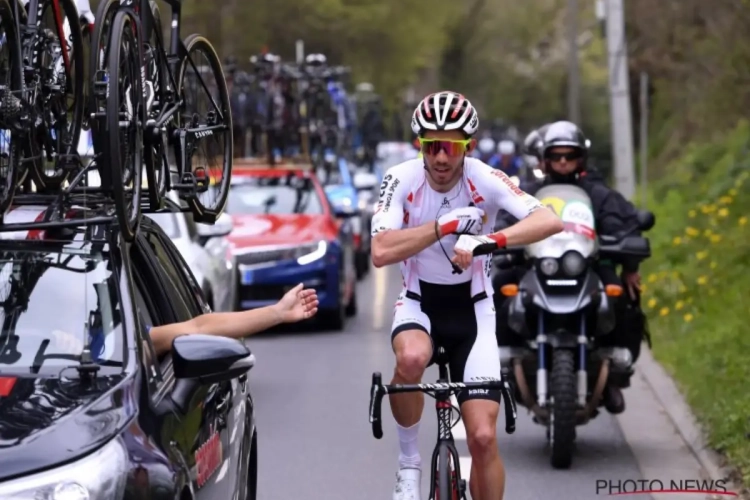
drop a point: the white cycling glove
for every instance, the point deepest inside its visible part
(480, 245)
(462, 221)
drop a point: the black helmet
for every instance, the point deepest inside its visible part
(564, 133)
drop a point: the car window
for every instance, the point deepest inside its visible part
(54, 302)
(146, 321)
(274, 195)
(182, 300)
(168, 222)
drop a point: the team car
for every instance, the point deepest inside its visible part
(87, 409)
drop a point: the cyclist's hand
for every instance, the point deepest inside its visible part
(468, 246)
(462, 221)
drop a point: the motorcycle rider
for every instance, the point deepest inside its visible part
(486, 151)
(563, 151)
(507, 160)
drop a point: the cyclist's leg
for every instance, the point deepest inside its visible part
(477, 359)
(413, 348)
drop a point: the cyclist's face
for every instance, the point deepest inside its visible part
(444, 164)
(563, 160)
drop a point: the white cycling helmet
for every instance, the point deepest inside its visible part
(486, 146)
(445, 111)
(506, 148)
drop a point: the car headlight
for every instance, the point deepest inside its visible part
(548, 266)
(98, 476)
(318, 252)
(573, 263)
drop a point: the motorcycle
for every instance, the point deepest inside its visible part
(561, 312)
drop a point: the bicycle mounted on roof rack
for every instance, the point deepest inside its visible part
(142, 116)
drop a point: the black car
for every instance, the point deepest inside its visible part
(86, 408)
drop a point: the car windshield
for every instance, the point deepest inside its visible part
(168, 222)
(274, 195)
(54, 302)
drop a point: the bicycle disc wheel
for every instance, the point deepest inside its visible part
(125, 120)
(11, 82)
(59, 62)
(205, 112)
(97, 73)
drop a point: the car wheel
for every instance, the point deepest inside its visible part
(351, 307)
(362, 263)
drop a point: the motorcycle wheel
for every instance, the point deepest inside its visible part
(562, 426)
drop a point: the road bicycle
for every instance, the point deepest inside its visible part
(145, 113)
(445, 471)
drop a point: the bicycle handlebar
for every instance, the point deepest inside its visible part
(378, 390)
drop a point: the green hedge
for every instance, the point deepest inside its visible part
(697, 287)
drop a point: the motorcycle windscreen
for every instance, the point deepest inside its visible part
(574, 207)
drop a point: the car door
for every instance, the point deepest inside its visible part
(213, 415)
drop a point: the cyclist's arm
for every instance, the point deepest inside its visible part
(390, 243)
(535, 221)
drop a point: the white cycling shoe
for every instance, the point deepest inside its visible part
(408, 482)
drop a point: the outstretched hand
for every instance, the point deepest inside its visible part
(298, 304)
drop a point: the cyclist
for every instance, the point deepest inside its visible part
(428, 208)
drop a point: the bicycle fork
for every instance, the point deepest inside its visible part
(445, 456)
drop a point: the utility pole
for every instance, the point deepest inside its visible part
(644, 137)
(619, 92)
(574, 78)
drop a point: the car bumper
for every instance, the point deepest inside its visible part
(264, 286)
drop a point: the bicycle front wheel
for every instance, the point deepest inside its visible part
(125, 121)
(206, 116)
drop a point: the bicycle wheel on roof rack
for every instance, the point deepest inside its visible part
(126, 117)
(11, 82)
(204, 147)
(58, 61)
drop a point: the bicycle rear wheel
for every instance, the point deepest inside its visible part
(206, 117)
(11, 82)
(59, 62)
(125, 121)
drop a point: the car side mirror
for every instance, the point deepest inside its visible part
(222, 227)
(210, 358)
(646, 220)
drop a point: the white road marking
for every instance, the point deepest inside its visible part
(380, 289)
(225, 468)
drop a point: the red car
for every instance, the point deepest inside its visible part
(286, 232)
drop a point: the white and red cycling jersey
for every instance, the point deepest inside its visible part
(407, 200)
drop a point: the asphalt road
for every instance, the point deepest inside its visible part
(311, 391)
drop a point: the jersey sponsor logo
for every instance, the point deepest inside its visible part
(389, 196)
(506, 180)
(576, 212)
(446, 203)
(478, 392)
(554, 204)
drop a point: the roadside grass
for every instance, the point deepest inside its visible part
(697, 287)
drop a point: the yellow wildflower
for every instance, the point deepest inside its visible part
(688, 318)
(707, 209)
(677, 241)
(652, 303)
(702, 280)
(713, 265)
(723, 212)
(692, 214)
(664, 311)
(725, 200)
(691, 231)
(682, 289)
(715, 238)
(652, 278)
(732, 192)
(679, 305)
(707, 233)
(701, 255)
(742, 221)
